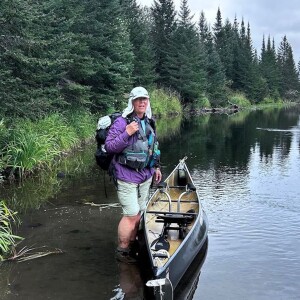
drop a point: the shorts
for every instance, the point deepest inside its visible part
(133, 197)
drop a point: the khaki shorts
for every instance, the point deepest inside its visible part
(128, 194)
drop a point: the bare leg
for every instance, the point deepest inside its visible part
(127, 230)
(134, 233)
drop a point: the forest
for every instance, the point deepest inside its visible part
(59, 55)
(65, 62)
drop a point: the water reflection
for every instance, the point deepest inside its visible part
(33, 192)
(131, 284)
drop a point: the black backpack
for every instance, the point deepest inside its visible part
(103, 159)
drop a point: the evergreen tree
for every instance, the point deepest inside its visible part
(164, 25)
(242, 59)
(139, 32)
(269, 68)
(248, 75)
(216, 79)
(106, 35)
(289, 86)
(204, 30)
(15, 41)
(41, 62)
(188, 76)
(78, 64)
(60, 59)
(218, 32)
(225, 40)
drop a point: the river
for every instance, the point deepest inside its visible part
(247, 169)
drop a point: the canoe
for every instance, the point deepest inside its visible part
(174, 229)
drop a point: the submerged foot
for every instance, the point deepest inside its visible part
(124, 255)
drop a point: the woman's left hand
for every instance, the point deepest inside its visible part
(157, 175)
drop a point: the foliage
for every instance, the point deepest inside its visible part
(35, 191)
(164, 103)
(187, 75)
(33, 145)
(29, 150)
(7, 238)
(139, 26)
(289, 87)
(162, 31)
(202, 102)
(61, 55)
(240, 100)
(82, 122)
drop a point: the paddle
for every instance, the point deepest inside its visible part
(160, 243)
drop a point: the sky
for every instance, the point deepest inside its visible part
(272, 18)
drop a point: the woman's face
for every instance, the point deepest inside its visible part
(140, 105)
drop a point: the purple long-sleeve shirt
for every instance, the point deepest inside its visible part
(117, 140)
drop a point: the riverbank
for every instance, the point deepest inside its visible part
(29, 146)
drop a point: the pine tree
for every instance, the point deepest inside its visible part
(139, 33)
(216, 79)
(225, 40)
(60, 59)
(15, 41)
(188, 76)
(163, 14)
(218, 31)
(106, 36)
(289, 86)
(269, 68)
(204, 29)
(248, 71)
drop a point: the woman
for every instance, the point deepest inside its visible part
(132, 139)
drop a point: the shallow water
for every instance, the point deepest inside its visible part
(247, 169)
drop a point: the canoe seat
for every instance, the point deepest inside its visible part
(179, 219)
(182, 221)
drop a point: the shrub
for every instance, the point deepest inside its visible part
(239, 99)
(165, 102)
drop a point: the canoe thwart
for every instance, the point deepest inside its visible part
(160, 255)
(173, 213)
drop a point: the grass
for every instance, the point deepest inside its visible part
(34, 145)
(164, 103)
(240, 100)
(7, 238)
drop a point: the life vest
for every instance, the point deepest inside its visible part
(140, 154)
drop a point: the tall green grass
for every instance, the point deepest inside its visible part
(7, 238)
(3, 139)
(34, 145)
(165, 103)
(240, 100)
